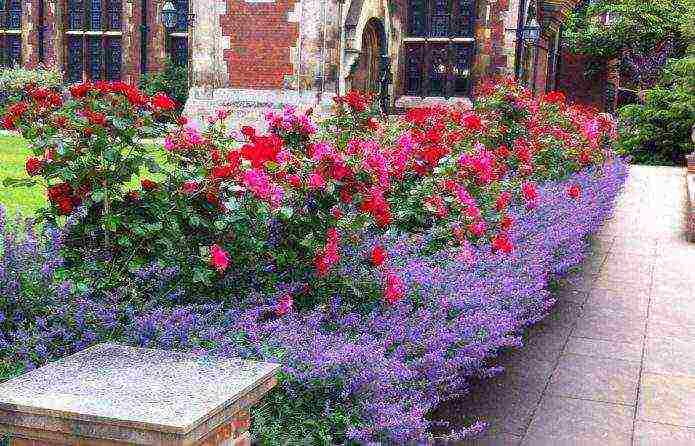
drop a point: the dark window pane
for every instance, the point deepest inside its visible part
(438, 69)
(179, 46)
(14, 15)
(466, 11)
(95, 15)
(462, 64)
(417, 26)
(182, 18)
(440, 18)
(115, 10)
(75, 59)
(75, 15)
(113, 59)
(95, 58)
(413, 70)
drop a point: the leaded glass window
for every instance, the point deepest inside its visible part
(10, 33)
(439, 47)
(178, 40)
(93, 41)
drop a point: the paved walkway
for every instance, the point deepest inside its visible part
(615, 363)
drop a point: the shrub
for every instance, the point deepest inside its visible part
(171, 80)
(279, 208)
(659, 131)
(85, 151)
(15, 82)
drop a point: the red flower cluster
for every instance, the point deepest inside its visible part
(329, 255)
(376, 205)
(34, 166)
(356, 100)
(13, 114)
(64, 198)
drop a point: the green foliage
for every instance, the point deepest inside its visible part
(14, 82)
(172, 80)
(300, 418)
(635, 24)
(659, 131)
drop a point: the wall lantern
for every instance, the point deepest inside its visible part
(169, 15)
(531, 32)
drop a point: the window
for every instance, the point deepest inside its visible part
(93, 41)
(10, 33)
(439, 47)
(178, 39)
(528, 51)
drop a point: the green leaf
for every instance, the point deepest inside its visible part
(19, 182)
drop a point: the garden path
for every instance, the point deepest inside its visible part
(614, 364)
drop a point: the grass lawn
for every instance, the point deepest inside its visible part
(13, 154)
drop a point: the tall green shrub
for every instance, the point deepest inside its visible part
(172, 80)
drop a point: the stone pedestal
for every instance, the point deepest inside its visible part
(249, 106)
(116, 395)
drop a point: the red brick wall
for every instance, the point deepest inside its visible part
(261, 37)
(572, 81)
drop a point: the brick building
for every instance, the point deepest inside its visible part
(92, 39)
(252, 54)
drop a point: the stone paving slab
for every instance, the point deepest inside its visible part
(616, 355)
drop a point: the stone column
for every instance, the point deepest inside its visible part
(207, 45)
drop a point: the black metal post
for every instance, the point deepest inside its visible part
(386, 79)
(41, 31)
(143, 37)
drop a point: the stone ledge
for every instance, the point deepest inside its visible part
(406, 102)
(112, 394)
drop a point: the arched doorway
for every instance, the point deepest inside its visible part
(367, 74)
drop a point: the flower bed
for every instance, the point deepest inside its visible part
(383, 265)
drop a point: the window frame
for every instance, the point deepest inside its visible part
(11, 35)
(95, 37)
(447, 34)
(178, 42)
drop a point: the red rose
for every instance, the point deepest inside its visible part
(574, 191)
(33, 166)
(503, 201)
(506, 223)
(80, 90)
(8, 122)
(39, 94)
(190, 187)
(96, 118)
(223, 172)
(472, 121)
(161, 101)
(148, 185)
(378, 256)
(503, 151)
(248, 132)
(294, 180)
(65, 206)
(502, 243)
(219, 258)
